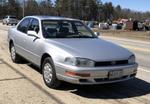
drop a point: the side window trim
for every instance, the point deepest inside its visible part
(31, 23)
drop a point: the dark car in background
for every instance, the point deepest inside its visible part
(9, 19)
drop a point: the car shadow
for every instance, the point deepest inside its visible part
(26, 62)
(127, 89)
(35, 68)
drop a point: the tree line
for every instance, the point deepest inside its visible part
(81, 9)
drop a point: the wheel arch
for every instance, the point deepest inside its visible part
(10, 43)
(45, 55)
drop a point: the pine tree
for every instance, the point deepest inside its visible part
(32, 8)
(46, 8)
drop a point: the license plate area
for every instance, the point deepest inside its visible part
(115, 74)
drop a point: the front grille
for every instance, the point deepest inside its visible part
(111, 63)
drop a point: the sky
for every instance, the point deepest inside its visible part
(137, 5)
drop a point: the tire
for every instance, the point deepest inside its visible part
(49, 74)
(14, 56)
(7, 23)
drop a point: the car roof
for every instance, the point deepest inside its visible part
(52, 18)
(10, 16)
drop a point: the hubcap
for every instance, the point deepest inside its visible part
(47, 72)
(13, 53)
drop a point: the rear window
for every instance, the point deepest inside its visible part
(12, 17)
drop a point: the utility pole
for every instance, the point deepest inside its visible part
(23, 9)
(78, 8)
(2, 3)
(47, 7)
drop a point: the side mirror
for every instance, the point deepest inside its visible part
(32, 33)
(97, 33)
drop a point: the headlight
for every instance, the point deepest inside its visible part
(131, 59)
(80, 62)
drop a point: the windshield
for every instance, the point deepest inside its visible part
(65, 29)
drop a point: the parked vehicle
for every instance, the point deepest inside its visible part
(104, 26)
(91, 24)
(10, 20)
(67, 50)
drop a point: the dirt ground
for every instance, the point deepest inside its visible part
(139, 35)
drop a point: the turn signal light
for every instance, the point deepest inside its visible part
(70, 73)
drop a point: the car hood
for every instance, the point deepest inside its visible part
(95, 49)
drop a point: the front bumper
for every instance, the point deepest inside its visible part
(98, 75)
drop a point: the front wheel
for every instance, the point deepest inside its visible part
(49, 74)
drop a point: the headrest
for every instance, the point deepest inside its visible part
(64, 30)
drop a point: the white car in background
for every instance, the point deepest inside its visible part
(9, 19)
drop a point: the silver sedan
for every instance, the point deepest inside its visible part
(67, 50)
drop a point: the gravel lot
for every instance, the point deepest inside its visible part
(23, 84)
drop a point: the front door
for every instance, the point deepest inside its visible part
(33, 43)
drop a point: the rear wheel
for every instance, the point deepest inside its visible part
(49, 74)
(7, 23)
(14, 56)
